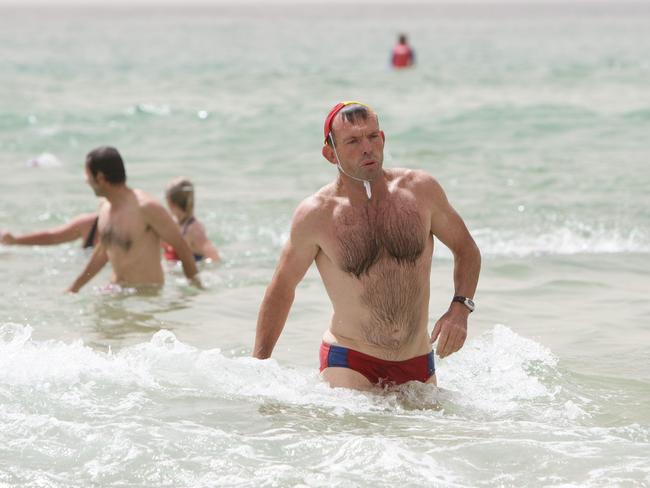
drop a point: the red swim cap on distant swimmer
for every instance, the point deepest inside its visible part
(327, 128)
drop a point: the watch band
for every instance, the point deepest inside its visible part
(468, 302)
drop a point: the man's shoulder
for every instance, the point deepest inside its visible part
(316, 209)
(143, 197)
(147, 202)
(411, 178)
(422, 185)
(150, 208)
(313, 206)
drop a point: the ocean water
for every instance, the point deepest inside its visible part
(534, 118)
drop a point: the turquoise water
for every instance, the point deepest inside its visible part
(534, 119)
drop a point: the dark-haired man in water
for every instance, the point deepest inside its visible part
(371, 232)
(131, 225)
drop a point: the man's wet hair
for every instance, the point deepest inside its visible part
(106, 160)
(354, 114)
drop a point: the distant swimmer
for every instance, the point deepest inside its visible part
(180, 200)
(131, 226)
(45, 160)
(370, 232)
(403, 55)
(82, 227)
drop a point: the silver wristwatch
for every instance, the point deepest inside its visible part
(468, 302)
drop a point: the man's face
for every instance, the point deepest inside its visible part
(360, 146)
(93, 183)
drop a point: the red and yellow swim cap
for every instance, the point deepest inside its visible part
(327, 128)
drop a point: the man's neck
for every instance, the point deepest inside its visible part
(355, 190)
(116, 194)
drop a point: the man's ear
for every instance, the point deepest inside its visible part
(328, 153)
(383, 136)
(100, 178)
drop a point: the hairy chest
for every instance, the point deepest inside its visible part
(394, 231)
(121, 230)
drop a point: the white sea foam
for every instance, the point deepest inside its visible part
(502, 373)
(164, 365)
(149, 109)
(497, 373)
(570, 240)
(170, 402)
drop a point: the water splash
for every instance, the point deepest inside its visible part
(570, 240)
(498, 373)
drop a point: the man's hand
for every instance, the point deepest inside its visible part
(451, 330)
(196, 281)
(7, 238)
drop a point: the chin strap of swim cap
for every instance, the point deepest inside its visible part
(366, 183)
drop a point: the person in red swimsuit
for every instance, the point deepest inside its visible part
(180, 200)
(403, 55)
(371, 234)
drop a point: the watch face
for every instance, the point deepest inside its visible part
(468, 302)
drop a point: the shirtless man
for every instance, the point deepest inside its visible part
(131, 225)
(83, 226)
(371, 235)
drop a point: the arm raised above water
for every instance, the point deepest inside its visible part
(296, 257)
(448, 226)
(74, 229)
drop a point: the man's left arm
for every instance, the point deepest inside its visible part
(448, 226)
(163, 224)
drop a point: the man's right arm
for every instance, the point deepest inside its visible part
(297, 255)
(97, 261)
